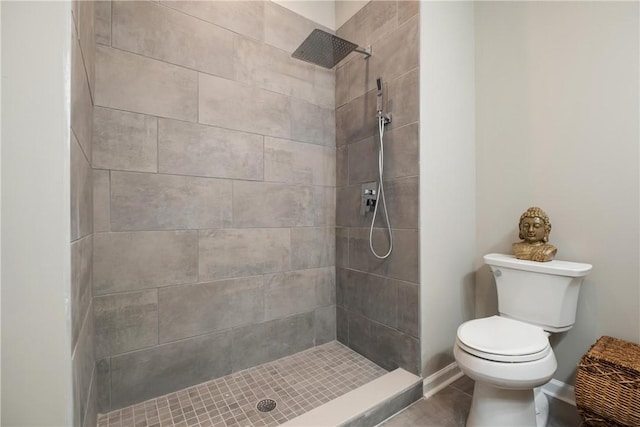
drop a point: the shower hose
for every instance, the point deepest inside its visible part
(380, 197)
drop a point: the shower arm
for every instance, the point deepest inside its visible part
(366, 51)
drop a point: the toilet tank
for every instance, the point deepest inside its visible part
(540, 293)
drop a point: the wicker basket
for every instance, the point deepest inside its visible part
(608, 384)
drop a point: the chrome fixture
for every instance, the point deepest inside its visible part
(383, 120)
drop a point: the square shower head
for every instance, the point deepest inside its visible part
(324, 49)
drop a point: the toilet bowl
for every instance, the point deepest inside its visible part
(508, 359)
(509, 355)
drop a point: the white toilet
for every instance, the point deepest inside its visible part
(509, 355)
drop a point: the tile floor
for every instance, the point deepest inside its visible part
(450, 407)
(297, 383)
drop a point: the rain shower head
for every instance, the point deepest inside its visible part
(325, 49)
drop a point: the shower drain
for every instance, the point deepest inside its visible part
(266, 405)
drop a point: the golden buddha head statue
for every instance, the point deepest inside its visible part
(534, 226)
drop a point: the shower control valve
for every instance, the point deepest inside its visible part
(369, 197)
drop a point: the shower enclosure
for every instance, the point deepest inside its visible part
(226, 193)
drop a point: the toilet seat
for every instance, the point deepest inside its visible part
(501, 339)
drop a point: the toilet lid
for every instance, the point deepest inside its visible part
(500, 338)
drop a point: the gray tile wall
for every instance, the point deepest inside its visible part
(377, 301)
(214, 194)
(82, 227)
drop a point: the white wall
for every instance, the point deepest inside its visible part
(345, 9)
(332, 14)
(557, 127)
(36, 347)
(447, 177)
(320, 11)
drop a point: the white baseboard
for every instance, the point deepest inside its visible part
(450, 373)
(561, 391)
(439, 380)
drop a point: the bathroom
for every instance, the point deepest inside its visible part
(496, 107)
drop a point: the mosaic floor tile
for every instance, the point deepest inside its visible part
(298, 383)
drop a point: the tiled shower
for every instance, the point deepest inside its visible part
(225, 198)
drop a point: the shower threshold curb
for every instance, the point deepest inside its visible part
(373, 402)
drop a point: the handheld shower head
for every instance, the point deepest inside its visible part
(379, 99)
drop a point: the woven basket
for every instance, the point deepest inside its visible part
(608, 384)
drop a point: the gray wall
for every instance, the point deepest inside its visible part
(82, 327)
(378, 302)
(557, 126)
(214, 194)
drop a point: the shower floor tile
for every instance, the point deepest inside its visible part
(298, 383)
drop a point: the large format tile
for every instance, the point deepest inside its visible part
(342, 247)
(342, 166)
(400, 156)
(285, 29)
(103, 380)
(126, 322)
(356, 119)
(404, 99)
(348, 205)
(407, 9)
(124, 141)
(243, 17)
(102, 22)
(312, 123)
(325, 324)
(401, 151)
(143, 374)
(131, 82)
(324, 93)
(374, 297)
(86, 34)
(363, 160)
(82, 367)
(375, 19)
(342, 85)
(402, 264)
(385, 346)
(191, 310)
(81, 103)
(324, 206)
(262, 204)
(342, 325)
(312, 247)
(131, 261)
(402, 200)
(192, 149)
(298, 163)
(237, 106)
(270, 68)
(247, 252)
(294, 292)
(150, 29)
(264, 342)
(81, 265)
(90, 418)
(447, 408)
(409, 308)
(101, 202)
(396, 53)
(141, 201)
(81, 193)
